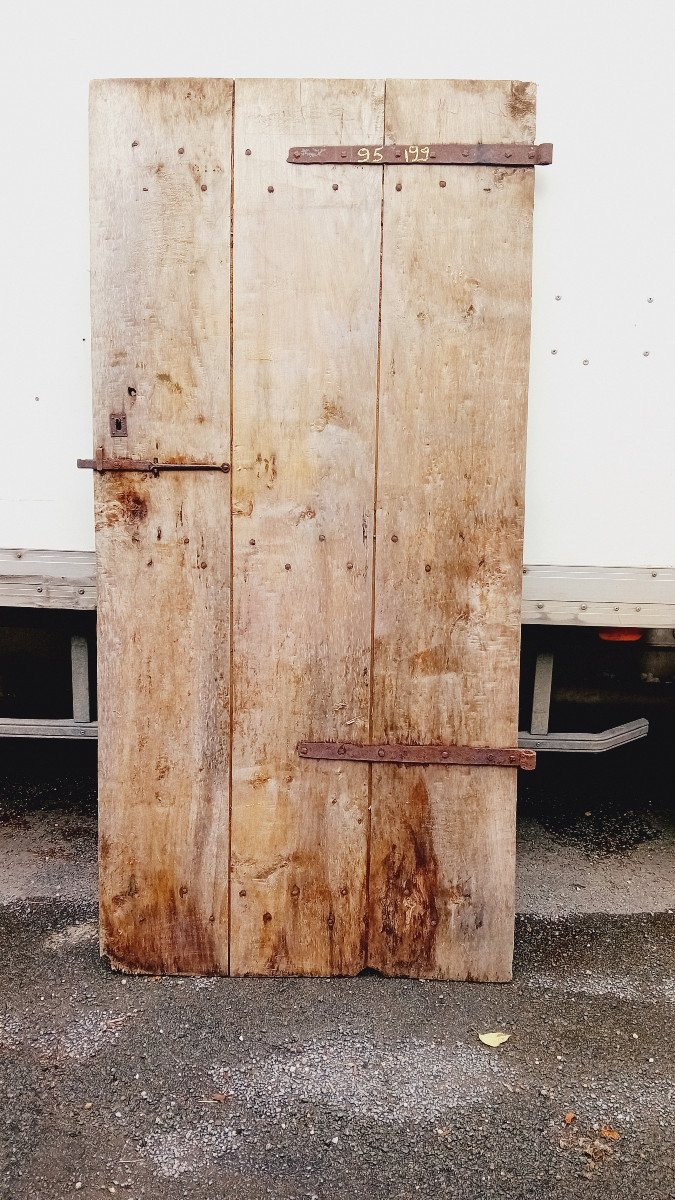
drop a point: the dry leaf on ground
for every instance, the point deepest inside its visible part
(606, 1131)
(494, 1039)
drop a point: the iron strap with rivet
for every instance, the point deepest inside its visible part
(146, 466)
(463, 756)
(446, 154)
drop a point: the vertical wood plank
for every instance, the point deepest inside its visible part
(160, 210)
(79, 670)
(306, 282)
(454, 354)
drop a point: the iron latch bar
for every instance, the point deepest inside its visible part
(463, 756)
(445, 154)
(147, 466)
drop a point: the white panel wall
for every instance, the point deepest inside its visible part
(601, 488)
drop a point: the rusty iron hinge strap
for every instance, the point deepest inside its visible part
(442, 154)
(152, 467)
(464, 756)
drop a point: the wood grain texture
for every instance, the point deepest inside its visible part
(306, 280)
(47, 578)
(454, 354)
(160, 187)
(160, 216)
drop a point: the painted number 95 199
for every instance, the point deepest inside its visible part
(410, 153)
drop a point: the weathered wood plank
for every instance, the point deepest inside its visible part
(557, 595)
(306, 280)
(79, 666)
(49, 728)
(47, 578)
(454, 354)
(160, 189)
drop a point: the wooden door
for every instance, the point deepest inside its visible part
(353, 340)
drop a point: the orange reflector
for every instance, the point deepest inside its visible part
(620, 635)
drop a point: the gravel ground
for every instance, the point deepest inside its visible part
(168, 1088)
(297, 1088)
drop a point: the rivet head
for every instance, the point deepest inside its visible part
(39, 589)
(287, 566)
(530, 154)
(540, 605)
(394, 537)
(204, 187)
(296, 153)
(134, 145)
(427, 567)
(303, 749)
(252, 542)
(380, 754)
(81, 591)
(444, 754)
(554, 351)
(295, 891)
(653, 574)
(181, 149)
(646, 353)
(584, 607)
(398, 154)
(399, 186)
(341, 750)
(507, 154)
(441, 183)
(558, 297)
(322, 537)
(465, 153)
(335, 187)
(248, 151)
(638, 608)
(270, 188)
(350, 566)
(491, 758)
(586, 361)
(343, 154)
(650, 299)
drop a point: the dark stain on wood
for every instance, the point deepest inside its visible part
(122, 504)
(174, 387)
(154, 929)
(521, 101)
(406, 911)
(278, 955)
